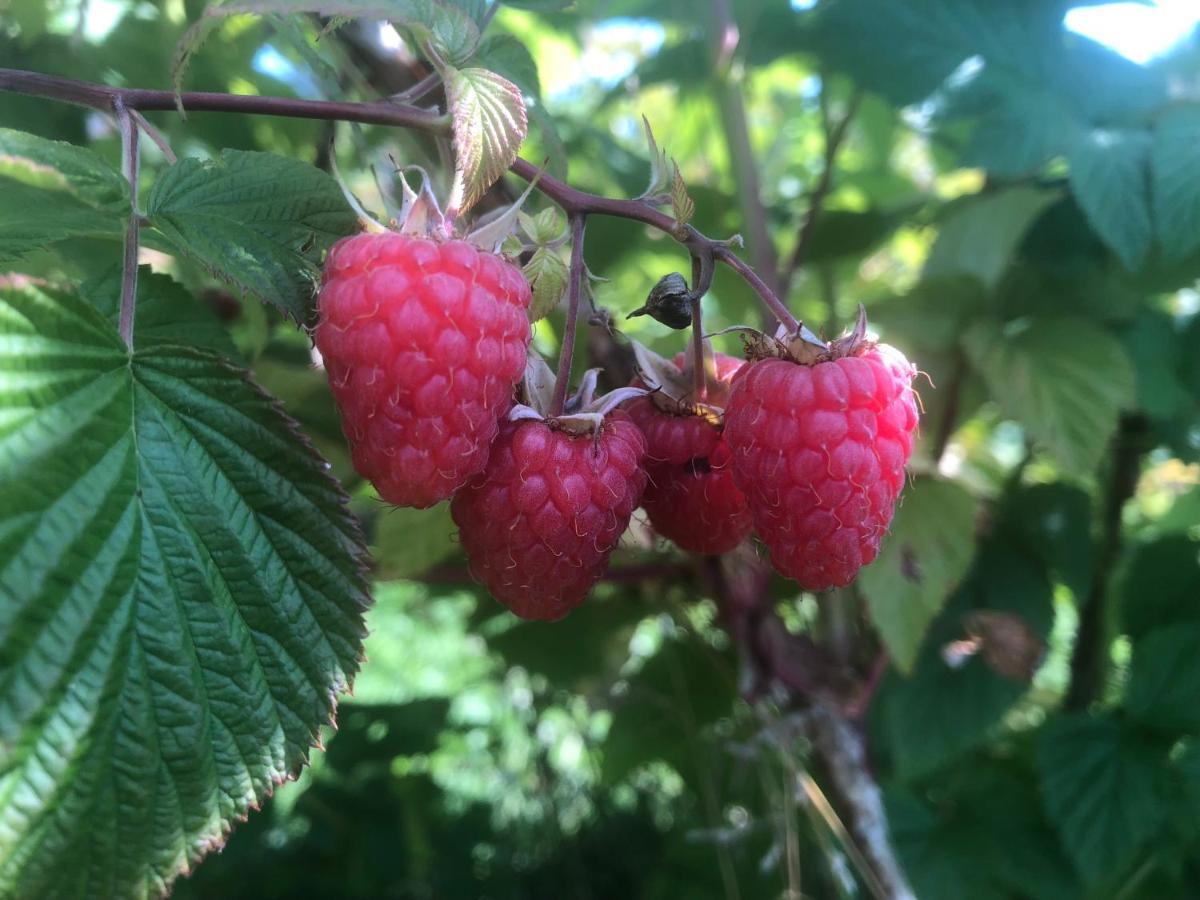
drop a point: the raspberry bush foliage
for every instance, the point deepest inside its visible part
(453, 448)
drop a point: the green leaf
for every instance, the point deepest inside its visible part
(1024, 127)
(1176, 187)
(1103, 789)
(598, 634)
(1052, 523)
(970, 700)
(410, 541)
(184, 596)
(924, 557)
(51, 191)
(1164, 683)
(421, 644)
(1110, 180)
(166, 312)
(945, 858)
(447, 26)
(684, 687)
(1160, 351)
(681, 202)
(489, 124)
(980, 836)
(256, 220)
(1158, 586)
(548, 276)
(62, 167)
(905, 49)
(550, 144)
(1064, 379)
(979, 237)
(505, 55)
(841, 232)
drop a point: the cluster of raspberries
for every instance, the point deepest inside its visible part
(424, 343)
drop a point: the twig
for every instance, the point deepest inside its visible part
(1088, 661)
(566, 354)
(384, 112)
(840, 747)
(834, 135)
(489, 15)
(418, 89)
(723, 43)
(701, 279)
(768, 296)
(155, 135)
(129, 272)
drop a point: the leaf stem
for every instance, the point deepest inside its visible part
(573, 201)
(701, 278)
(129, 272)
(566, 354)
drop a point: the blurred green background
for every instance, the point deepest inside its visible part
(1016, 201)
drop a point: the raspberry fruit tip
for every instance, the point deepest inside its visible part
(424, 340)
(820, 440)
(691, 498)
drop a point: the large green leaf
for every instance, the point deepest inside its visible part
(51, 191)
(597, 634)
(1103, 786)
(409, 541)
(982, 835)
(907, 48)
(1176, 185)
(183, 602)
(1110, 180)
(928, 551)
(1052, 523)
(1164, 684)
(1064, 379)
(979, 237)
(1158, 586)
(969, 700)
(166, 312)
(256, 220)
(448, 27)
(682, 689)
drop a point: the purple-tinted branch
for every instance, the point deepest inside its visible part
(566, 353)
(129, 272)
(383, 112)
(724, 254)
(701, 277)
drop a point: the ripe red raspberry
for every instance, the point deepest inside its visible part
(423, 342)
(691, 497)
(540, 522)
(820, 452)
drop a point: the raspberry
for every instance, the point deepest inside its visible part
(691, 497)
(820, 452)
(540, 522)
(423, 342)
